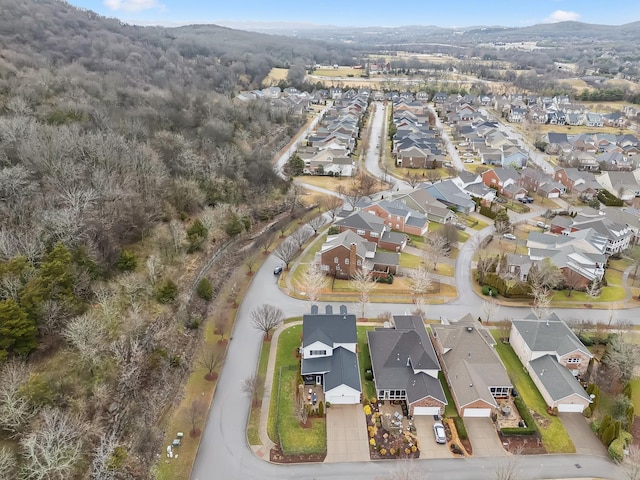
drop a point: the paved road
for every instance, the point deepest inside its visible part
(453, 153)
(225, 454)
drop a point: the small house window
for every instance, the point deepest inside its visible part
(573, 360)
(335, 260)
(359, 262)
(346, 261)
(317, 352)
(360, 232)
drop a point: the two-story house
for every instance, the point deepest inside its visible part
(329, 356)
(396, 215)
(377, 229)
(499, 178)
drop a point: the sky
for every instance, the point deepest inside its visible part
(460, 13)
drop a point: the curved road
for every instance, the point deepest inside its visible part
(225, 454)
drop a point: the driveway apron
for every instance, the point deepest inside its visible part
(581, 435)
(426, 440)
(347, 439)
(484, 438)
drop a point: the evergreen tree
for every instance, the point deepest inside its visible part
(17, 332)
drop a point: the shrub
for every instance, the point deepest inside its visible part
(127, 261)
(372, 442)
(383, 451)
(487, 212)
(205, 290)
(328, 404)
(524, 413)
(487, 290)
(166, 291)
(455, 448)
(609, 199)
(367, 410)
(368, 375)
(333, 230)
(616, 449)
(392, 451)
(462, 430)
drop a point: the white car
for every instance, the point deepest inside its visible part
(542, 225)
(439, 433)
(509, 236)
(468, 160)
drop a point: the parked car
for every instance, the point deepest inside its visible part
(509, 236)
(460, 226)
(529, 199)
(439, 433)
(523, 200)
(277, 270)
(468, 160)
(500, 200)
(542, 225)
(448, 164)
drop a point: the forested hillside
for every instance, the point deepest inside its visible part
(125, 164)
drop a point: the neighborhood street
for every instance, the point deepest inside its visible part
(225, 454)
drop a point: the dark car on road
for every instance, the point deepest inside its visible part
(277, 270)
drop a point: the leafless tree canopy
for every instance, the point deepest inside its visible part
(252, 386)
(287, 251)
(266, 318)
(313, 282)
(621, 357)
(332, 205)
(362, 282)
(210, 359)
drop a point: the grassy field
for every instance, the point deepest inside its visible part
(339, 72)
(554, 436)
(364, 361)
(334, 183)
(254, 417)
(295, 439)
(276, 75)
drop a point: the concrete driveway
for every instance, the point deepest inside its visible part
(581, 434)
(347, 439)
(426, 440)
(484, 438)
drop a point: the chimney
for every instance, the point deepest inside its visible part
(353, 260)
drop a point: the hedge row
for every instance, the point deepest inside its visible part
(520, 290)
(462, 430)
(530, 428)
(609, 199)
(487, 212)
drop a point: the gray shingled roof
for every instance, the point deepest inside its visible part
(345, 239)
(557, 379)
(549, 336)
(386, 258)
(344, 370)
(362, 220)
(472, 365)
(396, 352)
(330, 329)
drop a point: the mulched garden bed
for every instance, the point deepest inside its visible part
(277, 456)
(384, 444)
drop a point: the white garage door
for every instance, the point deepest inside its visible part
(570, 407)
(554, 195)
(342, 399)
(426, 411)
(477, 412)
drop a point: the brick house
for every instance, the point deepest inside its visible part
(347, 253)
(397, 216)
(554, 357)
(372, 228)
(500, 177)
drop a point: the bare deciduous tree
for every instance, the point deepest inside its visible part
(413, 180)
(621, 358)
(102, 467)
(266, 318)
(54, 447)
(362, 282)
(266, 243)
(433, 176)
(434, 250)
(352, 196)
(252, 387)
(332, 205)
(220, 322)
(250, 262)
(631, 466)
(299, 237)
(287, 251)
(313, 282)
(489, 309)
(544, 275)
(542, 296)
(316, 223)
(197, 409)
(88, 334)
(301, 411)
(210, 359)
(178, 234)
(507, 468)
(366, 183)
(572, 280)
(421, 281)
(15, 411)
(154, 269)
(594, 289)
(8, 464)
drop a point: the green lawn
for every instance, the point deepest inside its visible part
(254, 418)
(364, 360)
(445, 269)
(635, 394)
(554, 436)
(410, 261)
(295, 439)
(416, 239)
(450, 410)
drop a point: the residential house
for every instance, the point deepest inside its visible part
(577, 181)
(623, 185)
(374, 229)
(329, 355)
(451, 195)
(554, 358)
(398, 216)
(499, 178)
(476, 376)
(405, 366)
(345, 254)
(423, 202)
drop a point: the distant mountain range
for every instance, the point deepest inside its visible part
(562, 31)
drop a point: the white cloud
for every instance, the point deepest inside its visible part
(132, 5)
(562, 16)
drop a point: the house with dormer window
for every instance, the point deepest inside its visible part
(329, 356)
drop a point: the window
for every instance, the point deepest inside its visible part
(573, 360)
(359, 262)
(346, 261)
(360, 232)
(335, 260)
(314, 353)
(374, 234)
(325, 267)
(498, 392)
